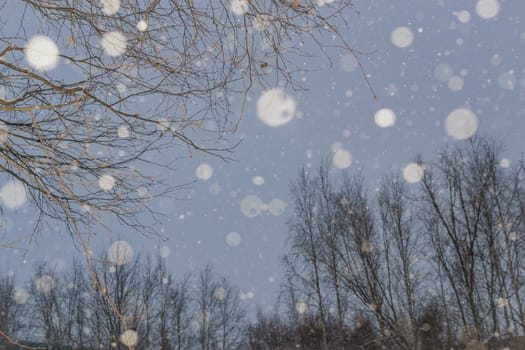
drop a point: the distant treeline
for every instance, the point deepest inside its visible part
(113, 306)
(433, 260)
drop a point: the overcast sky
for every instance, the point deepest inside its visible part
(425, 59)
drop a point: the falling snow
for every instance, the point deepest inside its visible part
(45, 283)
(233, 239)
(120, 253)
(4, 133)
(129, 338)
(110, 7)
(164, 251)
(239, 7)
(204, 171)
(487, 9)
(342, 159)
(21, 296)
(385, 118)
(251, 206)
(402, 37)
(113, 43)
(275, 108)
(413, 172)
(142, 25)
(420, 77)
(106, 182)
(42, 53)
(461, 124)
(123, 132)
(13, 195)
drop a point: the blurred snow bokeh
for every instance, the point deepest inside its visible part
(443, 72)
(42, 53)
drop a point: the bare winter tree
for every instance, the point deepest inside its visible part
(304, 263)
(13, 316)
(92, 90)
(351, 256)
(205, 307)
(58, 305)
(334, 259)
(218, 312)
(474, 212)
(402, 272)
(361, 252)
(122, 310)
(231, 316)
(435, 264)
(174, 312)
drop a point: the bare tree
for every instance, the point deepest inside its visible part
(437, 265)
(334, 257)
(58, 305)
(346, 250)
(206, 304)
(12, 310)
(460, 228)
(122, 310)
(231, 316)
(304, 263)
(473, 211)
(174, 312)
(364, 264)
(98, 88)
(218, 313)
(403, 251)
